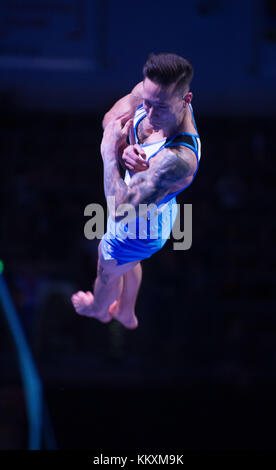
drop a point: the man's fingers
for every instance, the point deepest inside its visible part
(131, 155)
(139, 166)
(134, 158)
(128, 159)
(134, 169)
(127, 126)
(139, 150)
(129, 167)
(131, 135)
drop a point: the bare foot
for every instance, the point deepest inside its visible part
(83, 304)
(128, 319)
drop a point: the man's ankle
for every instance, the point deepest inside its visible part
(96, 306)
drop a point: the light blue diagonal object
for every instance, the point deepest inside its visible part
(33, 389)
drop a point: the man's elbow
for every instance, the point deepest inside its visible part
(124, 210)
(105, 120)
(129, 211)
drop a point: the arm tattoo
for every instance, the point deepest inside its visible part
(146, 187)
(114, 185)
(153, 185)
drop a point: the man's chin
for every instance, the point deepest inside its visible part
(156, 126)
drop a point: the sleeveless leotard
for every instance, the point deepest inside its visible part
(143, 236)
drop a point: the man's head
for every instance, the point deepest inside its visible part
(167, 79)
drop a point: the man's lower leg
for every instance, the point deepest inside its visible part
(106, 290)
(107, 287)
(124, 308)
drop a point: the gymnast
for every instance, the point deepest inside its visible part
(152, 133)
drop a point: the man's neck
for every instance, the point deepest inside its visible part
(176, 128)
(185, 125)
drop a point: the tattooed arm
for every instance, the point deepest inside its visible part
(167, 173)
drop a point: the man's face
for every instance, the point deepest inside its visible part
(163, 106)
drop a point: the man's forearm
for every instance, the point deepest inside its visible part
(114, 185)
(141, 192)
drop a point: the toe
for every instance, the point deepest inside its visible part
(113, 308)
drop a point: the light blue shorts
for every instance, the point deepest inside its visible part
(127, 249)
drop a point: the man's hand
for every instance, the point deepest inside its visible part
(134, 158)
(115, 135)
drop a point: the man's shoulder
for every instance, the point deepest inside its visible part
(136, 96)
(137, 91)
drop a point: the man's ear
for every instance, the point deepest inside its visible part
(187, 98)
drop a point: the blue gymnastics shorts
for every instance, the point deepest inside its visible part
(126, 249)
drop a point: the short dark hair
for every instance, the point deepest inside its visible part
(165, 69)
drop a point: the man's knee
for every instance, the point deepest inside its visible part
(108, 270)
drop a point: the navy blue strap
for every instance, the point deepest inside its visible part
(188, 140)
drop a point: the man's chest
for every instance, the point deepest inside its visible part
(146, 134)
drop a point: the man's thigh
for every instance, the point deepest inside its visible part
(109, 268)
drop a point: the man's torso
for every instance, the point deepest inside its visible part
(152, 141)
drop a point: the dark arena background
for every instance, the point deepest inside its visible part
(199, 372)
